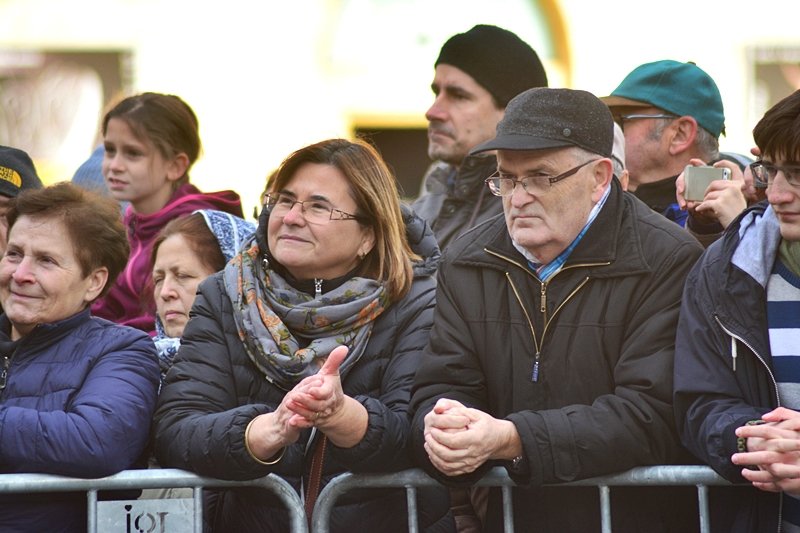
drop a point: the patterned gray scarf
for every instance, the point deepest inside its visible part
(287, 333)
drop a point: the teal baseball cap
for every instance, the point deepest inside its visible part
(678, 88)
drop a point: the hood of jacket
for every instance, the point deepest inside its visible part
(734, 272)
(186, 200)
(127, 301)
(422, 241)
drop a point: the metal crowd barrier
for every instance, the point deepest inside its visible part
(700, 476)
(153, 479)
(664, 475)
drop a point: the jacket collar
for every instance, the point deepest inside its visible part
(42, 334)
(659, 195)
(465, 178)
(759, 237)
(736, 269)
(612, 245)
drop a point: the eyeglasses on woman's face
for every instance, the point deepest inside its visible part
(315, 211)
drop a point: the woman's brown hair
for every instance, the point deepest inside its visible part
(92, 221)
(195, 231)
(374, 190)
(164, 120)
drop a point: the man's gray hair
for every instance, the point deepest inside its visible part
(705, 142)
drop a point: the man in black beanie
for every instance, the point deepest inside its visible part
(16, 173)
(477, 73)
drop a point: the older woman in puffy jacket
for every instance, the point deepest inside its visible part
(300, 355)
(77, 393)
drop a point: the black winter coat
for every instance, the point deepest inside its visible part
(723, 363)
(602, 331)
(214, 390)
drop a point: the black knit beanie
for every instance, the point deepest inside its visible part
(497, 59)
(17, 172)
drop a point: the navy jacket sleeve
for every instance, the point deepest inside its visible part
(104, 427)
(711, 400)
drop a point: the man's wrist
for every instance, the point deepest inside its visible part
(510, 444)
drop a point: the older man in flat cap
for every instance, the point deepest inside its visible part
(552, 348)
(477, 73)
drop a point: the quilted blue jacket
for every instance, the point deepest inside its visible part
(76, 399)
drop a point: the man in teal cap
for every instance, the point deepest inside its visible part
(670, 112)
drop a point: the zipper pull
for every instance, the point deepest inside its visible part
(734, 353)
(535, 373)
(544, 298)
(317, 288)
(4, 373)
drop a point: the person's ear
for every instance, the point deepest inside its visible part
(682, 134)
(603, 171)
(367, 242)
(97, 281)
(624, 179)
(177, 167)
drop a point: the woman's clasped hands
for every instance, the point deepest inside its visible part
(317, 401)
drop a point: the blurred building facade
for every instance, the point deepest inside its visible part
(268, 77)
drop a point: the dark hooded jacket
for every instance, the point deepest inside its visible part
(602, 331)
(214, 390)
(455, 199)
(723, 363)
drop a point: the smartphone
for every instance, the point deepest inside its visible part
(697, 180)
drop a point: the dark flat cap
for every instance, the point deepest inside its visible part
(543, 118)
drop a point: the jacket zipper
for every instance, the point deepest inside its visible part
(317, 288)
(758, 356)
(771, 377)
(4, 373)
(543, 306)
(7, 366)
(537, 356)
(535, 371)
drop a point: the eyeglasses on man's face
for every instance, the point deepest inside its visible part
(764, 174)
(314, 211)
(621, 119)
(502, 184)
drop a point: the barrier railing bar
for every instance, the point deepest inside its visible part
(663, 475)
(659, 475)
(91, 510)
(508, 510)
(344, 482)
(152, 479)
(197, 496)
(413, 512)
(605, 509)
(702, 504)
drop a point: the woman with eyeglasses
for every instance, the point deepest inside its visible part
(299, 358)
